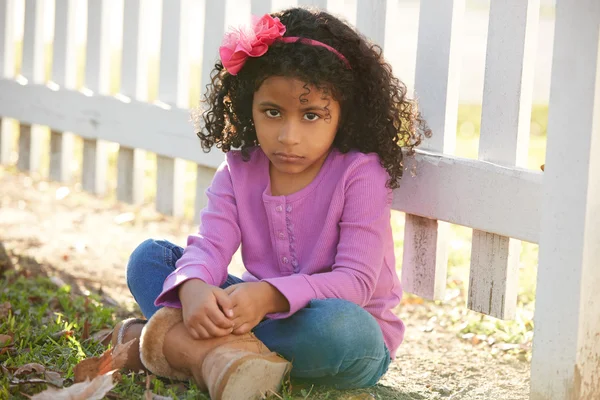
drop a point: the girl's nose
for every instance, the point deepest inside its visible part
(289, 134)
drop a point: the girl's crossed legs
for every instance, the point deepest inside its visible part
(332, 342)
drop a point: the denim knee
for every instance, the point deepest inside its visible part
(148, 267)
(347, 346)
(150, 251)
(346, 326)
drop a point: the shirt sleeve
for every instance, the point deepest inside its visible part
(209, 252)
(364, 230)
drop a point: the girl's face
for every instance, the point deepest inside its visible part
(295, 125)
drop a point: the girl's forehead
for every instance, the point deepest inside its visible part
(289, 89)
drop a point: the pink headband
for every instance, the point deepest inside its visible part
(240, 44)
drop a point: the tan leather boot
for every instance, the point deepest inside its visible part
(125, 331)
(233, 367)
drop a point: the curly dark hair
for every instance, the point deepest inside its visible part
(376, 116)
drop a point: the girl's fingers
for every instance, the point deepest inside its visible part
(193, 333)
(224, 302)
(215, 331)
(202, 332)
(244, 328)
(219, 319)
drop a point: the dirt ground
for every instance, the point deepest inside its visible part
(86, 241)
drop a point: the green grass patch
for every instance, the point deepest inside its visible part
(48, 325)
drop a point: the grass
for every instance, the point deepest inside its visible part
(54, 327)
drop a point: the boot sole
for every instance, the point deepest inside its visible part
(254, 378)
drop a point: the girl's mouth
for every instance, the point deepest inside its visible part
(288, 157)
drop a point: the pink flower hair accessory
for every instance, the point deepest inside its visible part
(242, 43)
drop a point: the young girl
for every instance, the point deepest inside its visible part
(319, 122)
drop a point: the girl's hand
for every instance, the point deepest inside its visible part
(205, 309)
(251, 302)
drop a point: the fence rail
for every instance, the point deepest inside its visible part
(495, 195)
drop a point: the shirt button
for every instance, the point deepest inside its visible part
(281, 235)
(285, 260)
(289, 208)
(279, 208)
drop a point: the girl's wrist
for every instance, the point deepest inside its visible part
(276, 302)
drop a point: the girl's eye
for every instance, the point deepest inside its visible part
(273, 113)
(311, 117)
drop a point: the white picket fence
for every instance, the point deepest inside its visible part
(501, 201)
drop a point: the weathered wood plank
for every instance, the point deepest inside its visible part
(64, 74)
(214, 29)
(173, 90)
(261, 7)
(61, 155)
(32, 69)
(134, 78)
(507, 94)
(566, 342)
(97, 79)
(93, 178)
(7, 70)
(204, 176)
(465, 192)
(436, 85)
(170, 177)
(370, 19)
(167, 132)
(130, 175)
(494, 273)
(322, 4)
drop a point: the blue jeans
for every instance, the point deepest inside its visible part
(330, 342)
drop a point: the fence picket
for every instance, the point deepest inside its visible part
(214, 29)
(134, 78)
(566, 340)
(321, 4)
(174, 91)
(261, 7)
(370, 19)
(30, 136)
(436, 86)
(64, 73)
(7, 70)
(97, 79)
(507, 97)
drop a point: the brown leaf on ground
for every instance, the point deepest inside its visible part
(95, 389)
(5, 309)
(54, 378)
(86, 330)
(112, 359)
(103, 336)
(5, 340)
(29, 368)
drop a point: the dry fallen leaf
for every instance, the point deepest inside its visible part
(103, 336)
(95, 389)
(4, 309)
(86, 330)
(112, 359)
(54, 378)
(5, 340)
(29, 368)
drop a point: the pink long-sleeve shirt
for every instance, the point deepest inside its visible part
(332, 239)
